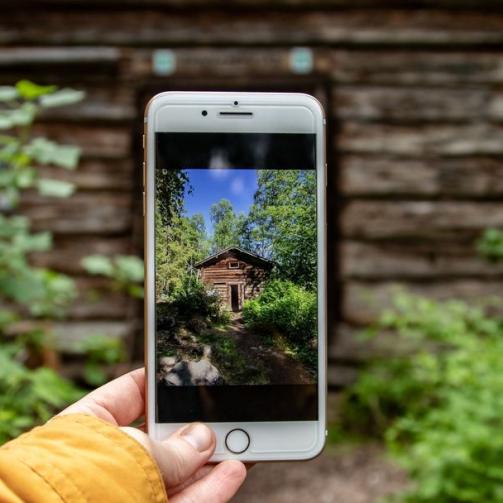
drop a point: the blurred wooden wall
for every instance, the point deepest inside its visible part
(414, 91)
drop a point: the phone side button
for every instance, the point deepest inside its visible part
(237, 441)
(143, 203)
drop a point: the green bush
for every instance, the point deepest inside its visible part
(192, 298)
(440, 408)
(288, 309)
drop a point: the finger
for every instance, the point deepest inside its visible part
(202, 472)
(219, 486)
(184, 452)
(199, 474)
(119, 402)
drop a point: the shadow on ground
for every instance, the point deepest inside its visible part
(359, 474)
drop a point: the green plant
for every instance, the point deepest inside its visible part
(124, 271)
(440, 408)
(101, 351)
(490, 245)
(193, 298)
(29, 294)
(290, 310)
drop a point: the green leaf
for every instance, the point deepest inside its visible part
(31, 91)
(55, 188)
(131, 267)
(98, 264)
(8, 93)
(48, 152)
(61, 98)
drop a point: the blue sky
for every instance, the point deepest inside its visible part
(211, 185)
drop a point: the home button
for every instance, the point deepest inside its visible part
(237, 441)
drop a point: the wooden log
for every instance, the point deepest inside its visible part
(21, 56)
(69, 337)
(68, 252)
(364, 301)
(341, 376)
(464, 177)
(388, 261)
(97, 301)
(435, 220)
(412, 104)
(351, 345)
(128, 27)
(435, 140)
(404, 67)
(241, 64)
(83, 213)
(95, 142)
(98, 174)
(489, 5)
(110, 103)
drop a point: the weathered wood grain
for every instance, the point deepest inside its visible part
(421, 140)
(411, 104)
(387, 176)
(488, 5)
(392, 260)
(68, 251)
(436, 220)
(21, 56)
(340, 375)
(97, 301)
(128, 27)
(350, 345)
(83, 213)
(405, 67)
(364, 301)
(98, 174)
(101, 104)
(70, 336)
(95, 141)
(239, 63)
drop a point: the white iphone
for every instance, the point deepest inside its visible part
(235, 316)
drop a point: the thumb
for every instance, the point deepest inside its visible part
(181, 454)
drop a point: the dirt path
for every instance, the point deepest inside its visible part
(280, 368)
(359, 474)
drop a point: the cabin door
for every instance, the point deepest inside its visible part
(235, 298)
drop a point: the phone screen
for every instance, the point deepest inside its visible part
(236, 313)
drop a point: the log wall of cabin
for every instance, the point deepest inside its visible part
(415, 111)
(219, 275)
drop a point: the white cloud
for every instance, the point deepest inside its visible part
(237, 186)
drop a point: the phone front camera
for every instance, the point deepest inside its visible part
(236, 103)
(204, 113)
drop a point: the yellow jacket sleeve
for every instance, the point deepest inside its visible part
(78, 458)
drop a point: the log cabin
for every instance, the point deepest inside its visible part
(235, 274)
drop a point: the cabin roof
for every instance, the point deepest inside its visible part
(243, 254)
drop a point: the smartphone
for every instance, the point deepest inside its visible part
(235, 288)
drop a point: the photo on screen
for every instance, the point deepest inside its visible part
(235, 262)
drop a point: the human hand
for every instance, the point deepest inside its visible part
(182, 458)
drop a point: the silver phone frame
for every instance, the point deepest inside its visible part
(300, 113)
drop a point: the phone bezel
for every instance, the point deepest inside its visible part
(272, 113)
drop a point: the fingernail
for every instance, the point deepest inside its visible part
(198, 436)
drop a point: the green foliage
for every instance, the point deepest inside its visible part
(101, 352)
(281, 224)
(178, 247)
(440, 407)
(490, 245)
(290, 310)
(192, 298)
(228, 226)
(125, 271)
(28, 396)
